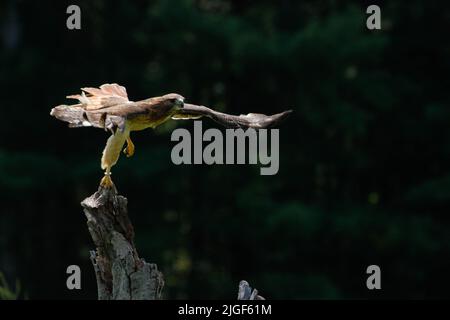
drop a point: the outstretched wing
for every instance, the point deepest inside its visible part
(94, 108)
(107, 95)
(77, 116)
(251, 120)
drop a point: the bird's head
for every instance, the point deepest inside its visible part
(174, 100)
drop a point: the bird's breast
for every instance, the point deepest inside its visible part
(144, 121)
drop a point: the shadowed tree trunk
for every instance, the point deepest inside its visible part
(120, 273)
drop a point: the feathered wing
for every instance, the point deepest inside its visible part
(107, 95)
(251, 120)
(92, 111)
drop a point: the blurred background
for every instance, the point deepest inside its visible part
(364, 160)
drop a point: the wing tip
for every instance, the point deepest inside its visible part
(287, 112)
(275, 119)
(283, 115)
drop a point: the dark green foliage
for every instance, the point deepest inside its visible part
(364, 176)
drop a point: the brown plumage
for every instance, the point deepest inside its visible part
(109, 108)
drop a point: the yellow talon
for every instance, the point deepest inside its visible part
(106, 181)
(129, 149)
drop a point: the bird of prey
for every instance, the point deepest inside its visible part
(109, 108)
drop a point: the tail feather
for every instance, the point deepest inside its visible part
(74, 115)
(77, 117)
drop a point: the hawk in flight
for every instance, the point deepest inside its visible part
(108, 108)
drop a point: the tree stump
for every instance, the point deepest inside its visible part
(120, 273)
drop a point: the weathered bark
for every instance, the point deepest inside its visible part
(120, 273)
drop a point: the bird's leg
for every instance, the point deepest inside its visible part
(106, 181)
(129, 149)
